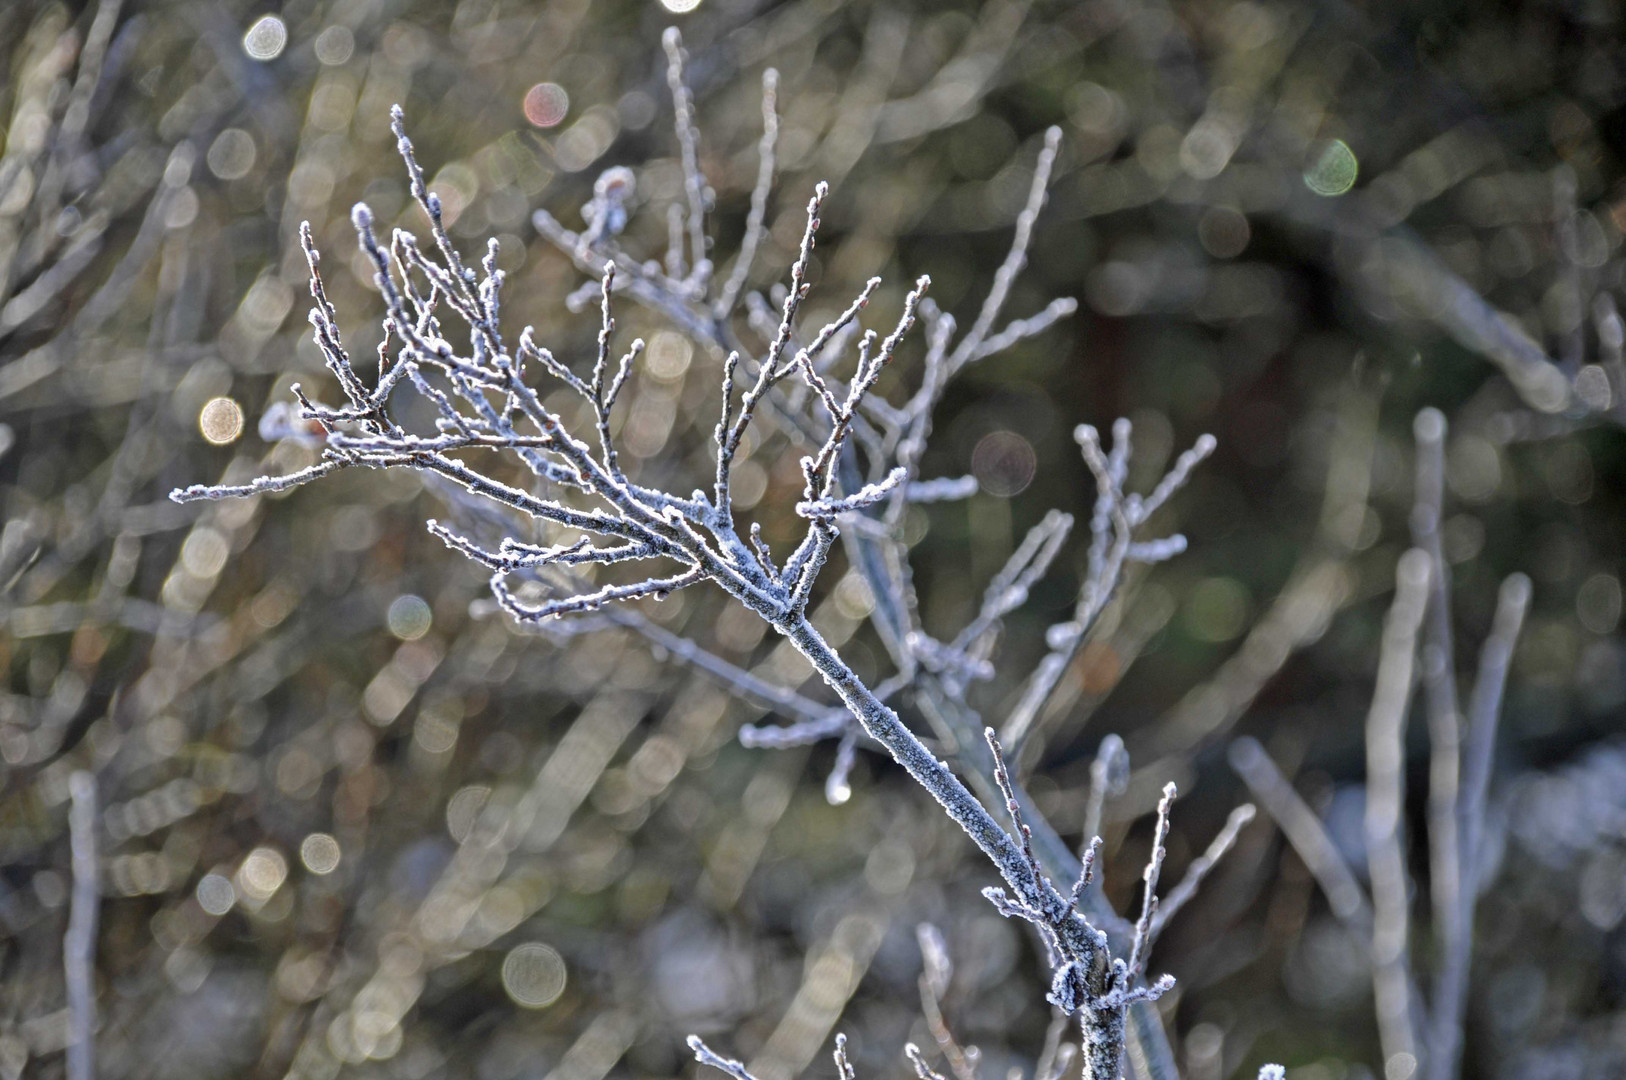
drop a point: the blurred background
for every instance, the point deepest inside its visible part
(354, 822)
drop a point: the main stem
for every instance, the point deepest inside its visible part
(1104, 1034)
(883, 725)
(1148, 1054)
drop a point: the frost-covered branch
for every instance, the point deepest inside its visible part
(861, 472)
(1117, 517)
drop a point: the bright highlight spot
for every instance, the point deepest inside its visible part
(680, 7)
(335, 45)
(463, 808)
(1333, 171)
(215, 894)
(232, 154)
(533, 974)
(205, 552)
(409, 617)
(546, 104)
(1004, 463)
(221, 420)
(669, 355)
(262, 874)
(266, 39)
(319, 853)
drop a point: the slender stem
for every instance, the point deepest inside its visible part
(694, 184)
(883, 725)
(1200, 868)
(1385, 807)
(1305, 832)
(1311, 841)
(79, 946)
(754, 230)
(1444, 713)
(1147, 1053)
(1484, 711)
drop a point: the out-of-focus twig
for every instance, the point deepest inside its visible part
(1484, 712)
(1385, 809)
(79, 947)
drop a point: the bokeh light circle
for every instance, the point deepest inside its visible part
(262, 873)
(221, 420)
(266, 39)
(335, 45)
(215, 894)
(320, 853)
(231, 156)
(546, 104)
(409, 617)
(1004, 463)
(1334, 169)
(533, 974)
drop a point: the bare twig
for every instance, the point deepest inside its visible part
(1109, 775)
(754, 230)
(1440, 691)
(706, 1056)
(700, 537)
(934, 979)
(694, 184)
(1484, 711)
(1304, 831)
(79, 947)
(1385, 806)
(1201, 867)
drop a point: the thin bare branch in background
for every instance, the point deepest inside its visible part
(1484, 713)
(1385, 811)
(1109, 775)
(937, 970)
(1304, 831)
(1439, 676)
(79, 946)
(694, 184)
(754, 231)
(1201, 866)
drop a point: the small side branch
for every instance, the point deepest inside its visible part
(694, 184)
(754, 230)
(706, 1056)
(1154, 867)
(936, 971)
(1109, 775)
(1199, 870)
(1015, 260)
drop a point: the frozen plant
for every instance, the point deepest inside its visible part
(860, 471)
